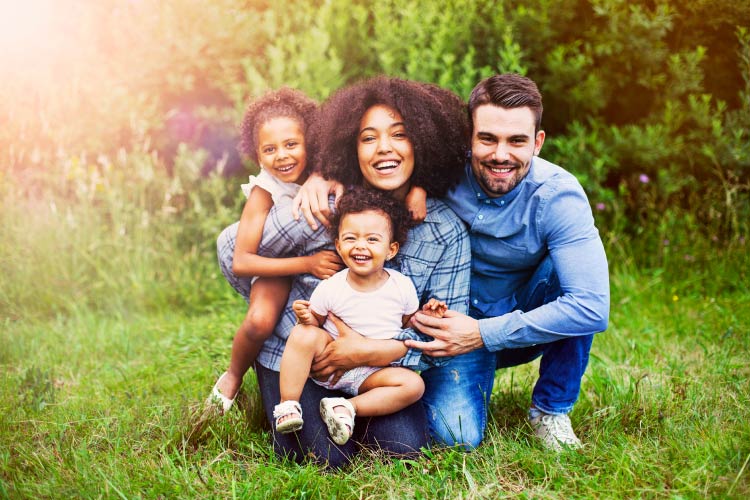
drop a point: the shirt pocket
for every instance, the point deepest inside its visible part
(417, 262)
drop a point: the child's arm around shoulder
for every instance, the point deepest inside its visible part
(416, 203)
(247, 262)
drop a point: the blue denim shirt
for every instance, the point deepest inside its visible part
(546, 213)
(436, 256)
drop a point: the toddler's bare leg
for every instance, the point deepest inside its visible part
(387, 391)
(303, 344)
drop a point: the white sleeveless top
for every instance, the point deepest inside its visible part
(279, 190)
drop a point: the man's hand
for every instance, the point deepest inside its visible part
(454, 334)
(325, 264)
(339, 355)
(312, 200)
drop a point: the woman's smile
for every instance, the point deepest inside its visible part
(385, 152)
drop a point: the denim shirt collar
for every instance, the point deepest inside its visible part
(500, 200)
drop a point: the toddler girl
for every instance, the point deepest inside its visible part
(374, 301)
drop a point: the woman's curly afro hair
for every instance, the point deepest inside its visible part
(360, 199)
(284, 102)
(434, 118)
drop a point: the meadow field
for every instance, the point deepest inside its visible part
(118, 169)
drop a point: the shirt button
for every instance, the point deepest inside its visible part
(476, 301)
(479, 195)
(502, 202)
(480, 217)
(487, 202)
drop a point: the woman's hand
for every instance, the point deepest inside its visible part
(312, 200)
(339, 355)
(324, 264)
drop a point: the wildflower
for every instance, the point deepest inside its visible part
(675, 298)
(644, 179)
(688, 258)
(600, 206)
(665, 242)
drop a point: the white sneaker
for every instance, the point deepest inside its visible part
(555, 431)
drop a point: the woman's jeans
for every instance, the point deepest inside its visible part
(399, 434)
(457, 394)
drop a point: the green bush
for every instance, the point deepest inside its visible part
(114, 137)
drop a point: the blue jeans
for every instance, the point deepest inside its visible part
(399, 434)
(457, 394)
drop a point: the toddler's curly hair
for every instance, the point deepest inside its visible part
(284, 102)
(435, 120)
(360, 199)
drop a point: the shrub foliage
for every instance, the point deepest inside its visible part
(118, 122)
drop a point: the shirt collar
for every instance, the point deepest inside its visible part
(500, 200)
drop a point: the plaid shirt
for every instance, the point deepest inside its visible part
(436, 256)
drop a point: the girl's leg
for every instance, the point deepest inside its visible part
(387, 391)
(268, 296)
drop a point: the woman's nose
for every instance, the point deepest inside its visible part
(384, 145)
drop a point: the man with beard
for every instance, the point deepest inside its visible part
(539, 284)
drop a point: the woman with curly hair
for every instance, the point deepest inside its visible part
(273, 135)
(390, 135)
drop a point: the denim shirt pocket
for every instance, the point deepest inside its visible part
(417, 261)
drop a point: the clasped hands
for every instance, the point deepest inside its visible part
(453, 334)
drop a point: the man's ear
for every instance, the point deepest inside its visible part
(393, 250)
(538, 141)
(338, 247)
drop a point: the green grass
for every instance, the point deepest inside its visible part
(99, 404)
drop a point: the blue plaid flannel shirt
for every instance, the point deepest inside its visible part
(436, 256)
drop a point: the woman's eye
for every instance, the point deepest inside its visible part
(290, 145)
(268, 150)
(368, 138)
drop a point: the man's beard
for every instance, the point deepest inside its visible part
(496, 186)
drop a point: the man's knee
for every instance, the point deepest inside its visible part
(459, 428)
(457, 397)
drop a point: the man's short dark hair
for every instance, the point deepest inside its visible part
(507, 90)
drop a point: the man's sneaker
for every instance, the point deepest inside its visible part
(555, 431)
